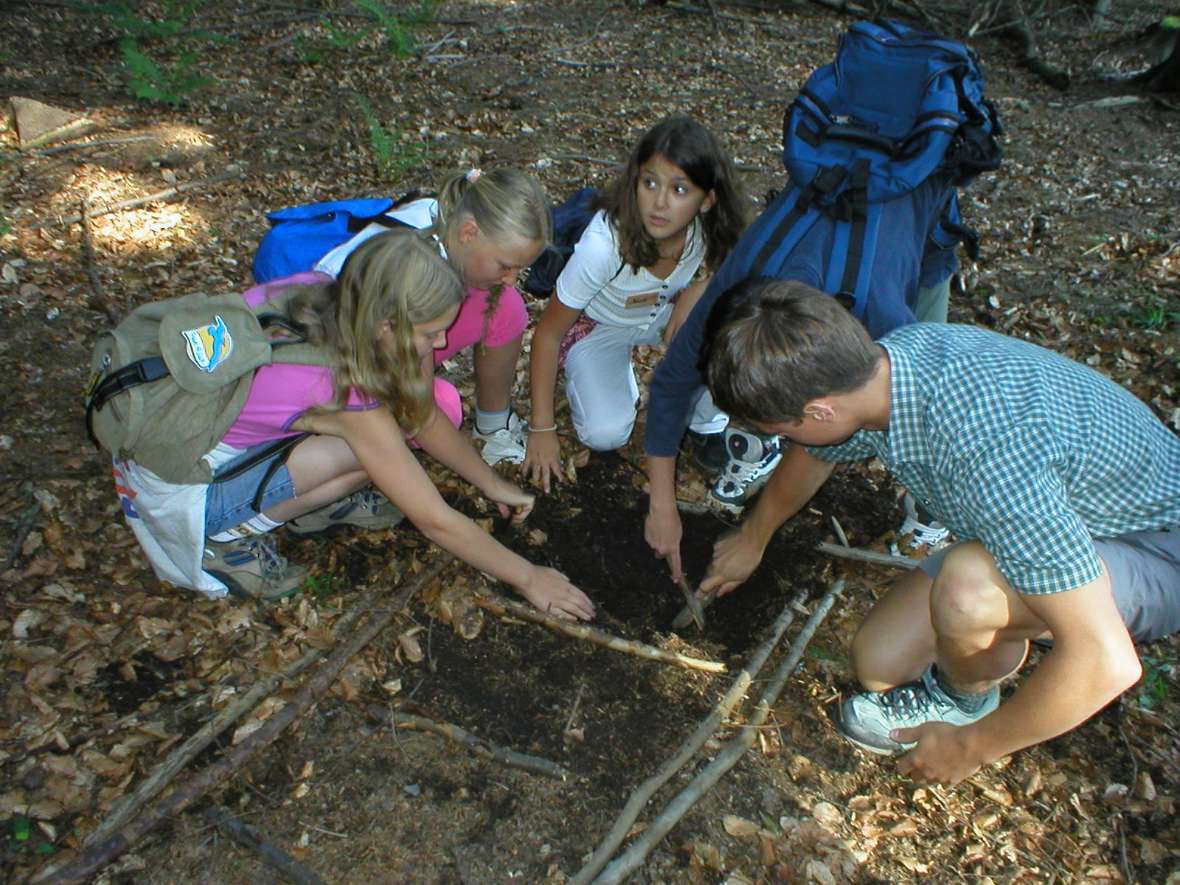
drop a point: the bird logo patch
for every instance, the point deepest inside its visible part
(209, 346)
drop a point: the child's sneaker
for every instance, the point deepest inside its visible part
(250, 567)
(366, 509)
(707, 450)
(751, 458)
(867, 718)
(506, 444)
(926, 530)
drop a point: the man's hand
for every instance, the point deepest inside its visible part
(735, 556)
(663, 530)
(944, 753)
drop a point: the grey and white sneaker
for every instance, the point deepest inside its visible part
(751, 460)
(926, 530)
(251, 568)
(506, 444)
(867, 718)
(366, 509)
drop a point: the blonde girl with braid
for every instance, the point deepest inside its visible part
(388, 311)
(489, 226)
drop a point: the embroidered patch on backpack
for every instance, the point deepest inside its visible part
(209, 346)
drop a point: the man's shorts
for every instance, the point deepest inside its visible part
(1144, 569)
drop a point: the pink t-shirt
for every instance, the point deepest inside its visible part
(281, 394)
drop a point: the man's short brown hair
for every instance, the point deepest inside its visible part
(775, 345)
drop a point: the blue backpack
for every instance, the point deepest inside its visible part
(570, 219)
(875, 145)
(301, 235)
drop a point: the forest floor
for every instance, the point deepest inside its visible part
(106, 670)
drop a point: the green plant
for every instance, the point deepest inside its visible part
(1156, 317)
(321, 586)
(395, 28)
(150, 80)
(393, 154)
(1153, 687)
(165, 75)
(20, 838)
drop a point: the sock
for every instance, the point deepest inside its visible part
(968, 702)
(490, 422)
(259, 524)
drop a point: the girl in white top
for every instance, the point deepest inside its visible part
(675, 207)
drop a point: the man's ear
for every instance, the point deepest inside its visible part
(819, 410)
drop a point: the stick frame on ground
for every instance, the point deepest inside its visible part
(627, 862)
(706, 729)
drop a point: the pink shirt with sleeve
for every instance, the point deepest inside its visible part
(281, 394)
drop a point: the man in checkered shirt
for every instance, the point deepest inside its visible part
(1062, 489)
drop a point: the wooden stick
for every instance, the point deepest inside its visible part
(708, 726)
(95, 857)
(500, 607)
(158, 197)
(248, 837)
(629, 861)
(477, 745)
(99, 298)
(129, 805)
(101, 142)
(856, 553)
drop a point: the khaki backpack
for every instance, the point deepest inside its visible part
(170, 379)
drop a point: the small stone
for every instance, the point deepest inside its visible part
(412, 790)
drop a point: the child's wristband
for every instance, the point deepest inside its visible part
(542, 429)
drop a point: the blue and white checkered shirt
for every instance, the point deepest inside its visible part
(1018, 447)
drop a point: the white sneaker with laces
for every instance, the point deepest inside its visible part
(506, 444)
(751, 460)
(927, 532)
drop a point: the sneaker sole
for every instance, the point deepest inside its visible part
(239, 592)
(872, 748)
(334, 527)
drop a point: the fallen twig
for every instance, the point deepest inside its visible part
(101, 142)
(629, 861)
(500, 607)
(856, 553)
(272, 855)
(100, 301)
(158, 197)
(477, 745)
(582, 158)
(95, 857)
(706, 729)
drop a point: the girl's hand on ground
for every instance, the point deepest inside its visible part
(663, 533)
(551, 592)
(543, 459)
(735, 557)
(510, 499)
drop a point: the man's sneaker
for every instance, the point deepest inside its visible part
(506, 444)
(750, 459)
(707, 450)
(366, 509)
(250, 567)
(867, 718)
(926, 530)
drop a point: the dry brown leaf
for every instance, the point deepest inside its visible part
(739, 827)
(827, 814)
(409, 647)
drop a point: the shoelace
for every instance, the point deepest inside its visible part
(271, 563)
(368, 499)
(916, 697)
(745, 471)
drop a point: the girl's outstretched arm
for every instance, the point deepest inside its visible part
(543, 460)
(380, 446)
